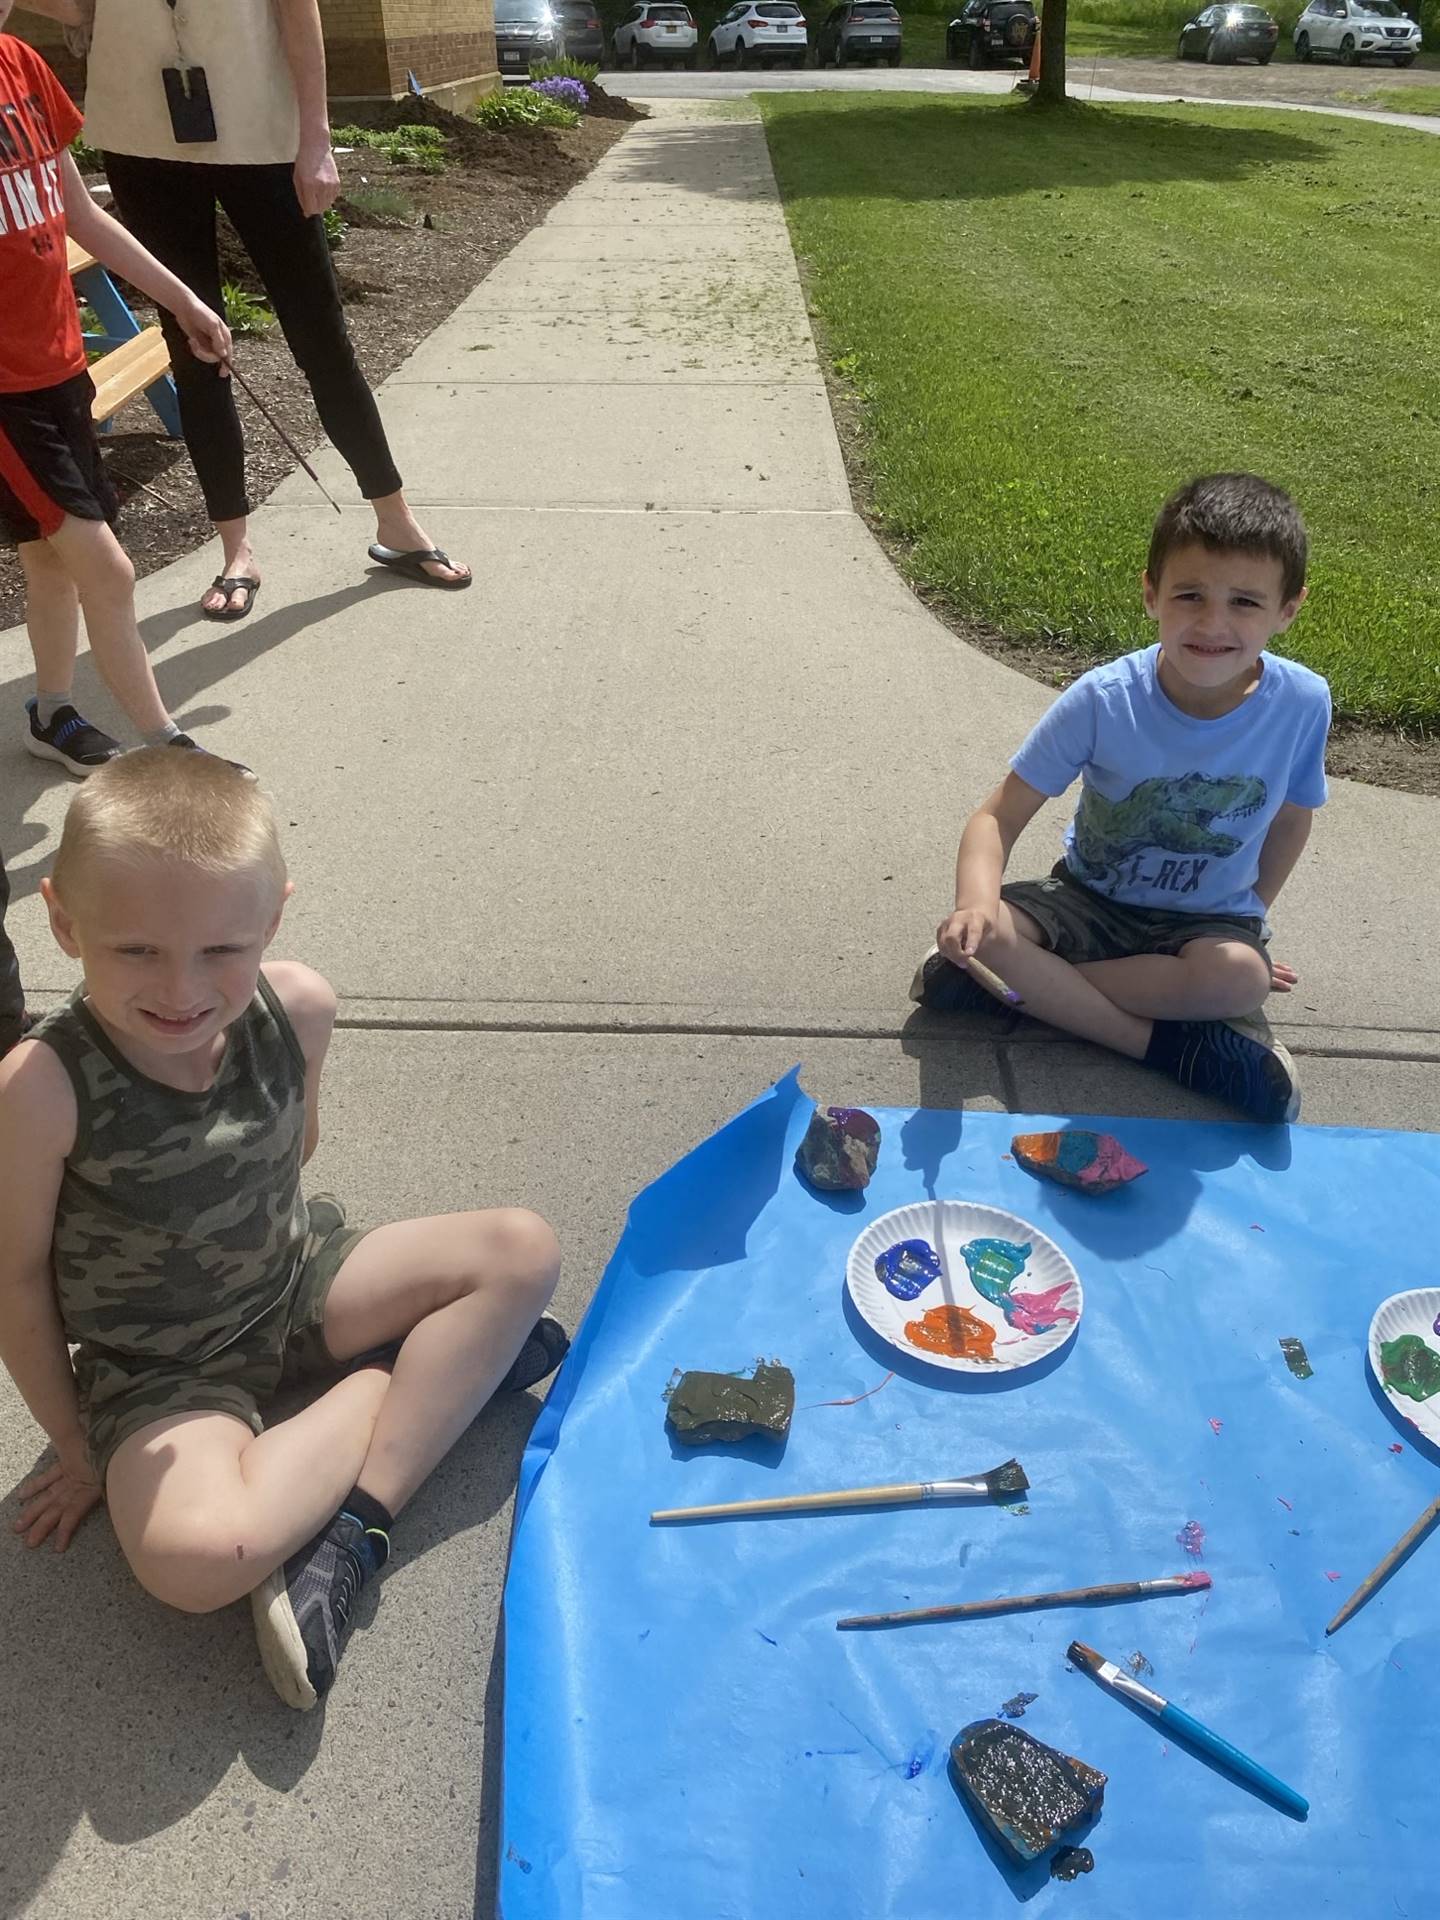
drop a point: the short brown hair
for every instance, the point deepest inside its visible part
(169, 803)
(1234, 513)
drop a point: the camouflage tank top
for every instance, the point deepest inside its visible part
(180, 1216)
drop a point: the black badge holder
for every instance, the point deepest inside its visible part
(187, 95)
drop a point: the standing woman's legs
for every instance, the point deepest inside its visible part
(292, 257)
(169, 206)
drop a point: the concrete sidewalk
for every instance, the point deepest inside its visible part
(592, 853)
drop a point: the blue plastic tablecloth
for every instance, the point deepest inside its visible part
(687, 1734)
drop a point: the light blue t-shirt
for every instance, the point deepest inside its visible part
(1174, 811)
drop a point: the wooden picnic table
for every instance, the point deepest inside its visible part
(136, 359)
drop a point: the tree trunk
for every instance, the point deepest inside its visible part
(1051, 86)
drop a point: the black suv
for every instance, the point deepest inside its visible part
(992, 30)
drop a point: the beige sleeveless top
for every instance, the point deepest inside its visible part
(238, 44)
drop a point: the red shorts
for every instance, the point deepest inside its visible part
(50, 461)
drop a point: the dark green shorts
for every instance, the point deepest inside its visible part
(120, 1394)
(1080, 924)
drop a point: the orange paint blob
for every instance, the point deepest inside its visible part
(954, 1331)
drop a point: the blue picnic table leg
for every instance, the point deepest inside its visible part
(119, 324)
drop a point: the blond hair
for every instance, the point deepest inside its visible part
(168, 803)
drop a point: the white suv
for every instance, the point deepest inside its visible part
(764, 32)
(652, 35)
(1355, 30)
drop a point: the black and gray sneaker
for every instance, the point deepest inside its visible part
(1238, 1061)
(69, 739)
(194, 746)
(945, 988)
(302, 1612)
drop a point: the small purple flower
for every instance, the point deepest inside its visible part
(569, 93)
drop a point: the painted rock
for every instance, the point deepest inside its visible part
(726, 1406)
(907, 1268)
(840, 1148)
(1088, 1162)
(1029, 1795)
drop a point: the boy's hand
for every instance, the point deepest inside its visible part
(1282, 978)
(207, 335)
(965, 932)
(57, 1500)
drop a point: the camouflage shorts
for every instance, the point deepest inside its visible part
(1082, 925)
(121, 1393)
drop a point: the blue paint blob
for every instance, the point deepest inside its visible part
(995, 1266)
(907, 1268)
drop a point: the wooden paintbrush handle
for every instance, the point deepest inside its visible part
(798, 1503)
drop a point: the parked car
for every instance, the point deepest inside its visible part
(656, 36)
(1224, 34)
(859, 30)
(1352, 31)
(525, 30)
(582, 36)
(989, 30)
(759, 35)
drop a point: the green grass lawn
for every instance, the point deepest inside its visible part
(1054, 318)
(1394, 99)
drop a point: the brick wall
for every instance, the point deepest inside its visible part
(371, 46)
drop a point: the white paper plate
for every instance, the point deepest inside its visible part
(1413, 1312)
(949, 1226)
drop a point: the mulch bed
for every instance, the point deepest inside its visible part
(399, 278)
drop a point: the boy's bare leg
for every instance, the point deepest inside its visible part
(1057, 992)
(1206, 980)
(463, 1291)
(204, 1509)
(105, 581)
(52, 616)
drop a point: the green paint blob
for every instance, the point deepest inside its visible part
(1410, 1367)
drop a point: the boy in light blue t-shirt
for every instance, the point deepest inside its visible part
(1201, 761)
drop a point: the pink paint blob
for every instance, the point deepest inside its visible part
(1039, 1312)
(1192, 1538)
(1395, 1447)
(1216, 1425)
(1332, 1576)
(1196, 1580)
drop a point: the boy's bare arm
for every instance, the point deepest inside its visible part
(113, 247)
(985, 847)
(1284, 844)
(309, 1000)
(37, 1130)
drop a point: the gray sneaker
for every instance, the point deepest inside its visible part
(945, 988)
(302, 1612)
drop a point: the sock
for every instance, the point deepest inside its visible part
(47, 705)
(160, 736)
(376, 1521)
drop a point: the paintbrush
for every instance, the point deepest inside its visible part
(1392, 1559)
(990, 979)
(1178, 1721)
(1022, 1602)
(295, 452)
(1002, 1483)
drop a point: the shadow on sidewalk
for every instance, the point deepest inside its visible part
(182, 679)
(125, 1714)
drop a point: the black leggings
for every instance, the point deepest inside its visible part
(169, 206)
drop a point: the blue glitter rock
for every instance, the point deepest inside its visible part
(907, 1268)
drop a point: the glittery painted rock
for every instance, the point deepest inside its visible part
(726, 1406)
(840, 1148)
(1029, 1795)
(1089, 1162)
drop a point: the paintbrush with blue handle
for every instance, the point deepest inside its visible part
(1181, 1722)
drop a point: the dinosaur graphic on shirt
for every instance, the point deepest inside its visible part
(1172, 814)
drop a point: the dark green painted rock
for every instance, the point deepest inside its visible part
(724, 1406)
(1029, 1795)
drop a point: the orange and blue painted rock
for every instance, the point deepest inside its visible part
(1075, 1157)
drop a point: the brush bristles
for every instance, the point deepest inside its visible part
(1007, 1479)
(1079, 1655)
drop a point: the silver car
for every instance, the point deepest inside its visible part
(1356, 30)
(859, 30)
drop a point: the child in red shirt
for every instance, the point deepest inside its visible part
(56, 502)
